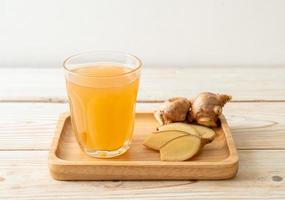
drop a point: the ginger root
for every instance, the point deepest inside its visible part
(179, 141)
(173, 110)
(207, 107)
(204, 109)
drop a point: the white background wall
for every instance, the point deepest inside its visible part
(41, 33)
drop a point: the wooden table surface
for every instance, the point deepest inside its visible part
(32, 99)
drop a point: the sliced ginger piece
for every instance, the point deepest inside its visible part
(180, 127)
(205, 133)
(159, 139)
(181, 148)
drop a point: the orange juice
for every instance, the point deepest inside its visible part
(102, 101)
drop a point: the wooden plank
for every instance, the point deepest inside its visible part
(25, 175)
(47, 85)
(32, 125)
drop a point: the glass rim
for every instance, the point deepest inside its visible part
(137, 67)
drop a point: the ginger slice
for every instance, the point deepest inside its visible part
(159, 139)
(180, 127)
(181, 148)
(205, 133)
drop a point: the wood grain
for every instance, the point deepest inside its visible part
(24, 175)
(28, 126)
(217, 160)
(47, 85)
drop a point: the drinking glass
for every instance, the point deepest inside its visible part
(102, 90)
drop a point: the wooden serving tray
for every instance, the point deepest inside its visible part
(218, 160)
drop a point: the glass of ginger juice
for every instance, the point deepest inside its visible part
(102, 90)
